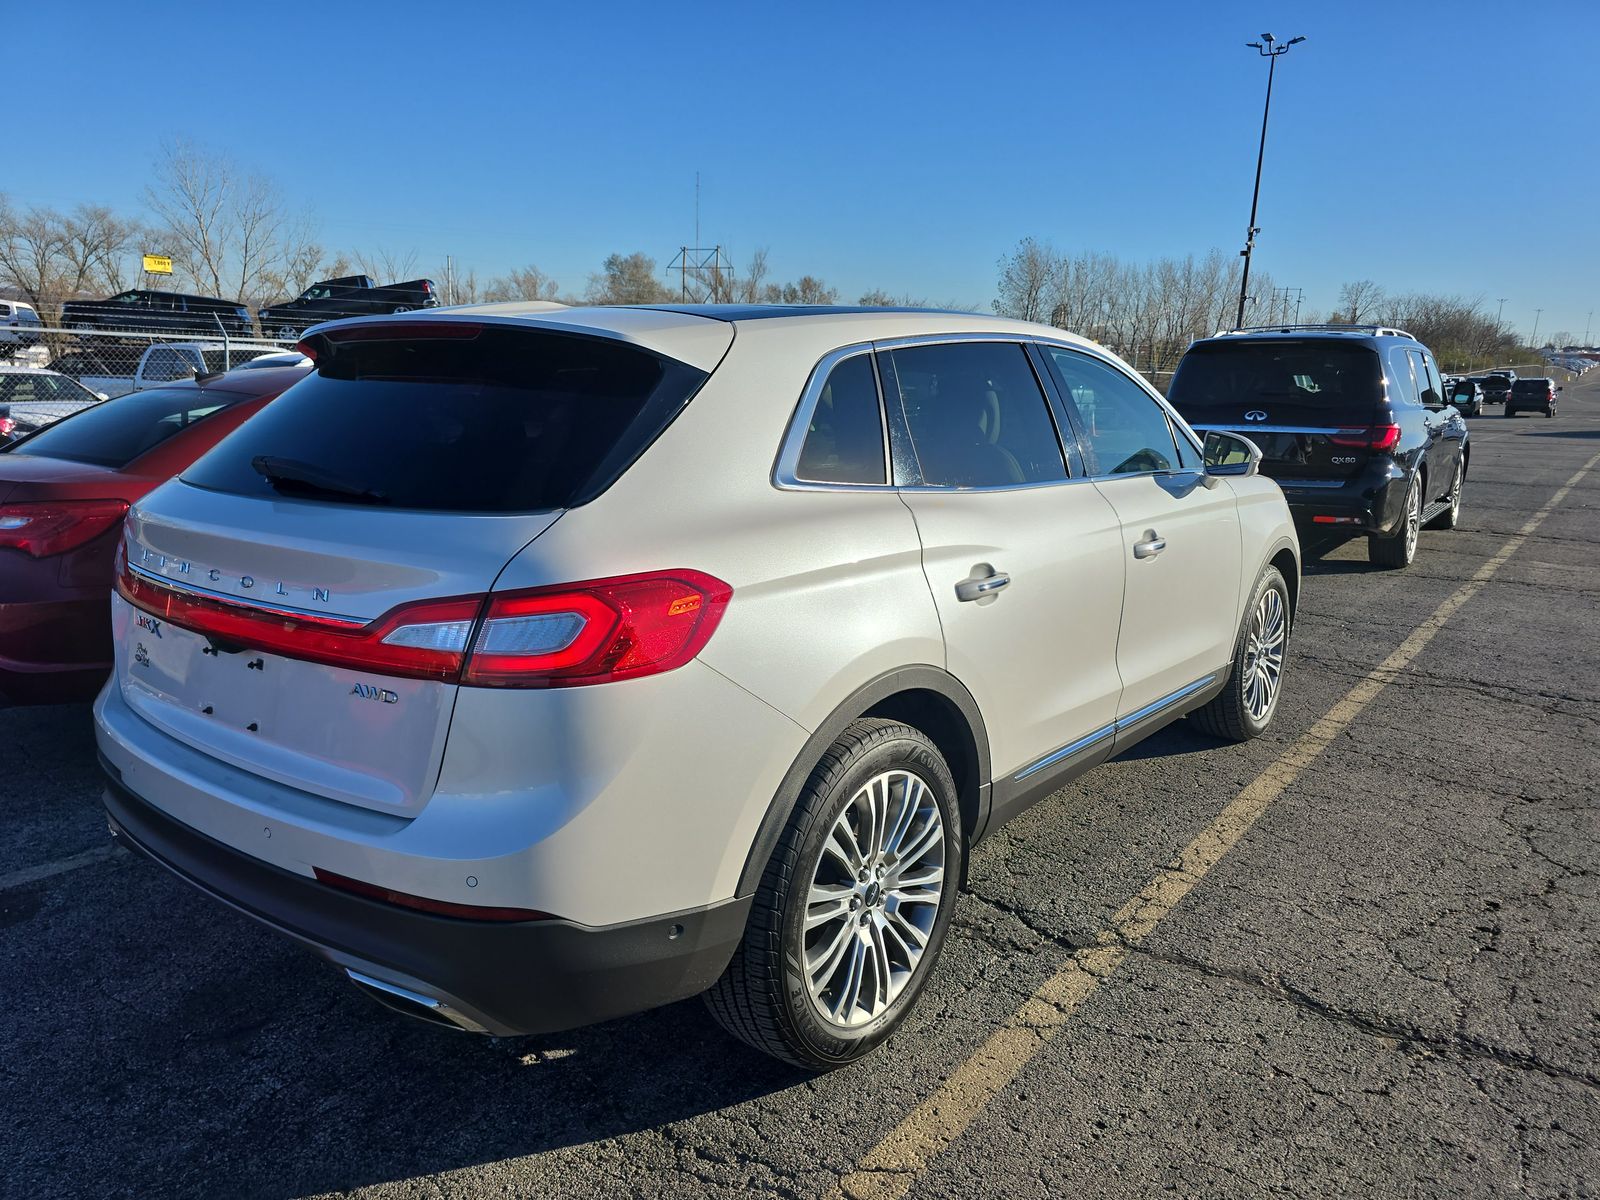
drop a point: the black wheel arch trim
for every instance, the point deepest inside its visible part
(975, 788)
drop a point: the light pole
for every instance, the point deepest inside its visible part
(1270, 51)
(1534, 340)
(1586, 325)
(1499, 317)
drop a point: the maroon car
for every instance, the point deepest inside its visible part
(63, 493)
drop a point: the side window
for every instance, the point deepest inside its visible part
(1403, 382)
(164, 365)
(1434, 393)
(1125, 430)
(844, 443)
(976, 414)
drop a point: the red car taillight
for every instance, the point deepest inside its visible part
(7, 426)
(1377, 438)
(45, 527)
(566, 636)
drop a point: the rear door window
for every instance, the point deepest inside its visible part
(844, 443)
(115, 432)
(976, 414)
(491, 419)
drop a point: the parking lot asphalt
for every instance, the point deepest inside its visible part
(1364, 963)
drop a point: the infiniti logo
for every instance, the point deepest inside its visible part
(1255, 414)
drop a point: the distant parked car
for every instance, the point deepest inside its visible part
(19, 327)
(118, 369)
(143, 311)
(1534, 394)
(63, 494)
(1351, 421)
(1497, 386)
(30, 399)
(1466, 396)
(351, 296)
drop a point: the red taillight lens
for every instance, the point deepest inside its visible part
(595, 632)
(49, 527)
(1377, 438)
(444, 908)
(567, 636)
(7, 426)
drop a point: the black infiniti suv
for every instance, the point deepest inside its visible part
(1352, 422)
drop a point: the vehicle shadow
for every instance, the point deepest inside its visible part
(1584, 434)
(1180, 737)
(1314, 560)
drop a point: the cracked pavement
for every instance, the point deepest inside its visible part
(1386, 988)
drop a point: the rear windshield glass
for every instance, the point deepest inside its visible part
(115, 432)
(1531, 385)
(1318, 378)
(500, 420)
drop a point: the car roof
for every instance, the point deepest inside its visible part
(699, 334)
(7, 369)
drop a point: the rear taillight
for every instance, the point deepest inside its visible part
(7, 426)
(567, 636)
(47, 527)
(1377, 438)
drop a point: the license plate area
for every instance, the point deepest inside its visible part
(372, 740)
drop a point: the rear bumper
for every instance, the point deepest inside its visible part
(1372, 502)
(493, 977)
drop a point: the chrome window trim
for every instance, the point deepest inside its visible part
(1247, 430)
(785, 472)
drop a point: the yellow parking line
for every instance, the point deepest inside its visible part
(888, 1170)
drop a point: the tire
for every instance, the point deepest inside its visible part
(400, 308)
(1237, 713)
(1398, 550)
(1510, 412)
(766, 997)
(1451, 517)
(1550, 412)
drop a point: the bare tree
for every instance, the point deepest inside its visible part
(1359, 300)
(388, 266)
(1028, 281)
(627, 279)
(522, 283)
(31, 246)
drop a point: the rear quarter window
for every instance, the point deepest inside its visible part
(499, 420)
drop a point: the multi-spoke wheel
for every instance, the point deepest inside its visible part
(1451, 517)
(1398, 548)
(1247, 701)
(874, 897)
(852, 908)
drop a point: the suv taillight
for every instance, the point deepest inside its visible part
(1377, 438)
(46, 527)
(566, 636)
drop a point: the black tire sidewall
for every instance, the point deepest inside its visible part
(823, 1041)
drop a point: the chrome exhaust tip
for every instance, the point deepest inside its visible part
(413, 1004)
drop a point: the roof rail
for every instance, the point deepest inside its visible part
(1364, 330)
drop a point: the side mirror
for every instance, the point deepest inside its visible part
(1558, 387)
(1230, 455)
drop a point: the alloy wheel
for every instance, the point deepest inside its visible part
(874, 897)
(1413, 518)
(1455, 493)
(1263, 656)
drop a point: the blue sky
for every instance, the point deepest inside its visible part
(1428, 146)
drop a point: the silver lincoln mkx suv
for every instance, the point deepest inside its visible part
(537, 666)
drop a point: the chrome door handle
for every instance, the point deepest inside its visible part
(977, 589)
(1152, 545)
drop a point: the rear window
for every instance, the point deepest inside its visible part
(1531, 385)
(1288, 380)
(115, 432)
(503, 420)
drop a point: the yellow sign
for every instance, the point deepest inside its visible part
(157, 264)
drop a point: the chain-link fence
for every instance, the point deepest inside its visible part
(47, 373)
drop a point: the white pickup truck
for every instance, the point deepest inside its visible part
(116, 370)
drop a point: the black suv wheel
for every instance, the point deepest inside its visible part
(1398, 549)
